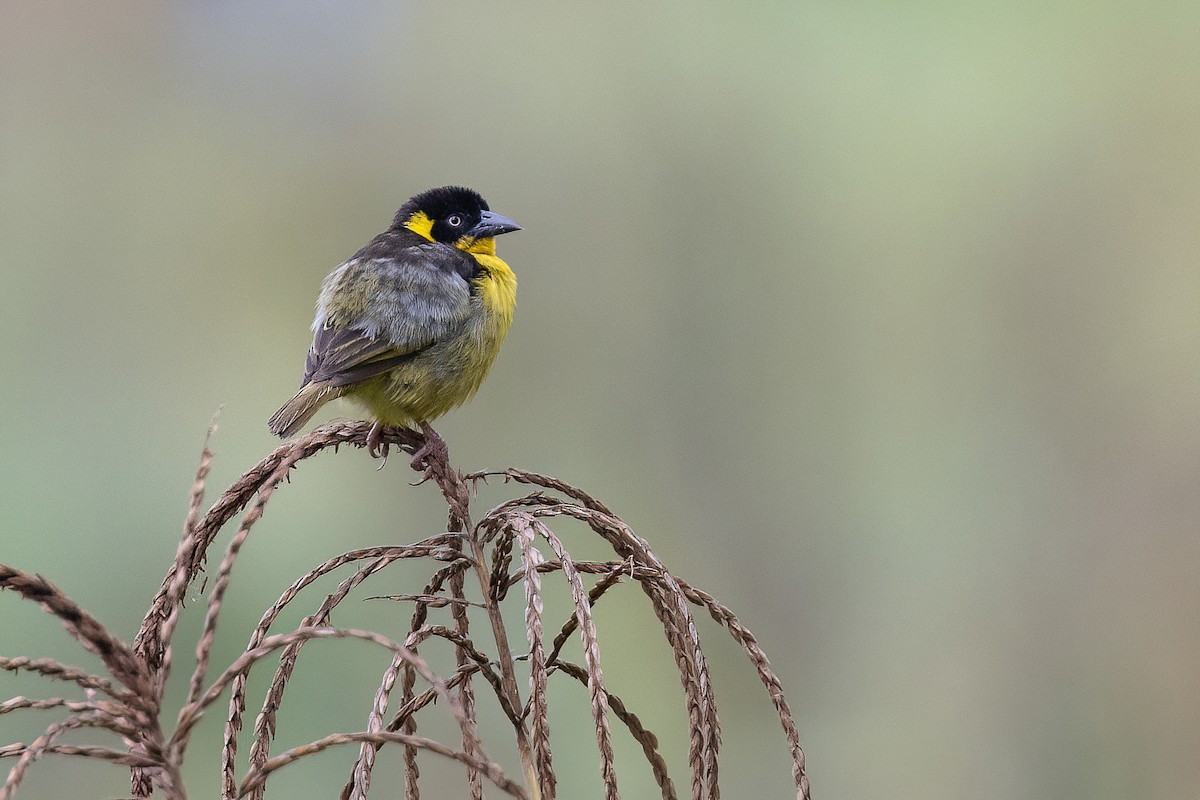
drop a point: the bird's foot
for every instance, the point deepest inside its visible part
(433, 451)
(376, 447)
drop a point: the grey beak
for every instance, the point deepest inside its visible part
(491, 224)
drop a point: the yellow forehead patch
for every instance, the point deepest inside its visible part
(420, 224)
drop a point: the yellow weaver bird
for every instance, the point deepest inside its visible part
(410, 326)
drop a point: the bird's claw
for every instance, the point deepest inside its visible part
(432, 450)
(376, 447)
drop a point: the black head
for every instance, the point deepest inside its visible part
(450, 213)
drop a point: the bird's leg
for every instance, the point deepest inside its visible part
(434, 448)
(376, 447)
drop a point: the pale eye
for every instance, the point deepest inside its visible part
(454, 220)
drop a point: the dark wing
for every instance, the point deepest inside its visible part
(343, 356)
(404, 302)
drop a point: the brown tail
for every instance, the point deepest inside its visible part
(299, 410)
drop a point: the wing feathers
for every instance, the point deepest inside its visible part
(339, 357)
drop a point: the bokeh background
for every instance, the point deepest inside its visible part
(879, 320)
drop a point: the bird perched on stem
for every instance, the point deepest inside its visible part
(410, 325)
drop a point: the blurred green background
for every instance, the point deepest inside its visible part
(879, 320)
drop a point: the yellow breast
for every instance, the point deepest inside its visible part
(497, 291)
(497, 283)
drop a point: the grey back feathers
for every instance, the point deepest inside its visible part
(410, 302)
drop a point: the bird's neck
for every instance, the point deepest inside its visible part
(497, 284)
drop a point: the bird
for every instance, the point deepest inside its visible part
(410, 325)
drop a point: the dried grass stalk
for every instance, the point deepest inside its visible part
(539, 676)
(126, 701)
(94, 637)
(641, 735)
(488, 768)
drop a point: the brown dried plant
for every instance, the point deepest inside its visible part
(510, 544)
